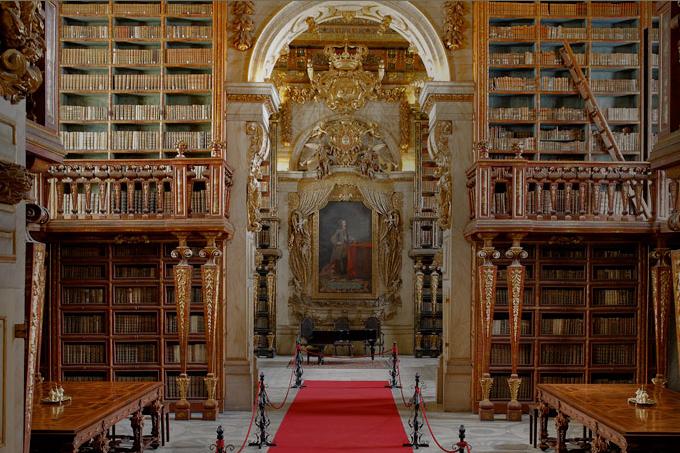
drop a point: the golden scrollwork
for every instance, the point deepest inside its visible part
(486, 384)
(286, 119)
(346, 142)
(440, 153)
(514, 383)
(210, 279)
(182, 276)
(346, 86)
(242, 25)
(22, 45)
(257, 153)
(455, 25)
(404, 125)
(432, 99)
(15, 183)
(420, 283)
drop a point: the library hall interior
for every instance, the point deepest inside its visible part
(339, 226)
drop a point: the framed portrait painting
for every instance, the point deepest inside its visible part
(344, 255)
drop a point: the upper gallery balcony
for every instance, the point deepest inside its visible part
(575, 197)
(177, 194)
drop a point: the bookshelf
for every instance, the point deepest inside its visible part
(114, 315)
(428, 307)
(583, 320)
(528, 96)
(137, 77)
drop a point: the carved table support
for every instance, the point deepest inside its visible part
(515, 276)
(182, 273)
(599, 445)
(661, 301)
(101, 443)
(487, 297)
(543, 413)
(210, 279)
(156, 414)
(561, 427)
(137, 422)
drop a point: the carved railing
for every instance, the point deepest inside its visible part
(139, 189)
(568, 191)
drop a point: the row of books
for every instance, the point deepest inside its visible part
(83, 113)
(82, 251)
(85, 32)
(562, 326)
(613, 354)
(561, 147)
(613, 85)
(512, 32)
(89, 82)
(511, 58)
(429, 186)
(562, 114)
(622, 273)
(189, 112)
(135, 271)
(135, 323)
(83, 353)
(84, 323)
(627, 141)
(560, 32)
(199, 202)
(606, 9)
(562, 296)
(78, 377)
(502, 295)
(509, 83)
(502, 327)
(136, 295)
(512, 113)
(558, 134)
(189, 31)
(426, 234)
(130, 112)
(136, 56)
(194, 140)
(201, 55)
(501, 354)
(91, 56)
(136, 353)
(561, 354)
(578, 253)
(557, 83)
(196, 323)
(561, 379)
(557, 273)
(560, 205)
(606, 297)
(84, 140)
(137, 32)
(196, 292)
(78, 272)
(196, 353)
(84, 9)
(135, 140)
(188, 81)
(614, 326)
(501, 391)
(85, 296)
(430, 323)
(555, 59)
(146, 377)
(614, 59)
(137, 9)
(622, 114)
(137, 81)
(196, 388)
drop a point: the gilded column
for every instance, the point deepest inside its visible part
(515, 276)
(419, 284)
(487, 272)
(182, 274)
(661, 301)
(271, 304)
(675, 266)
(210, 281)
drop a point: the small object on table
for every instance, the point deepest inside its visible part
(641, 398)
(56, 395)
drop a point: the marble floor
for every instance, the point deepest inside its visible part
(195, 436)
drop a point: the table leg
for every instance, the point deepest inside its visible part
(561, 426)
(137, 422)
(544, 411)
(101, 443)
(156, 414)
(599, 445)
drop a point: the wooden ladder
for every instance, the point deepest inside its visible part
(594, 113)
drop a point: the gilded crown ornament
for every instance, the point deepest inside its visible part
(346, 86)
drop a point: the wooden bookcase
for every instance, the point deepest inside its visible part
(584, 317)
(114, 315)
(527, 94)
(136, 77)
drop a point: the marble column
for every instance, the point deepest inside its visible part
(449, 106)
(248, 105)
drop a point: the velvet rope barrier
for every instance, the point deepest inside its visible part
(290, 381)
(401, 390)
(462, 445)
(250, 426)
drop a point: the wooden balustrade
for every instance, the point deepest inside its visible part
(141, 189)
(569, 191)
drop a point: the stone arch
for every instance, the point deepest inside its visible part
(407, 20)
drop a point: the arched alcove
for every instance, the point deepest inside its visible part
(290, 22)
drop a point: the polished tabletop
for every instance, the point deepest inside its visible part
(608, 403)
(90, 401)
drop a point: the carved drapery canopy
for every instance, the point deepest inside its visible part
(15, 183)
(310, 197)
(22, 45)
(346, 142)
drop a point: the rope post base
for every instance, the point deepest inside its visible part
(415, 424)
(218, 446)
(262, 421)
(298, 367)
(462, 446)
(394, 373)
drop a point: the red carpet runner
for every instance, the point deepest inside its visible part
(347, 416)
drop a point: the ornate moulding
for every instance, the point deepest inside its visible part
(242, 25)
(311, 196)
(15, 183)
(257, 153)
(455, 24)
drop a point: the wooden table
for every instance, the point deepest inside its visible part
(603, 408)
(95, 407)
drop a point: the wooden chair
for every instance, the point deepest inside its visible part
(306, 331)
(342, 324)
(373, 323)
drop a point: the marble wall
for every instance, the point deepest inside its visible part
(12, 271)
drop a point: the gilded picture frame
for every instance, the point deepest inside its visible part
(331, 283)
